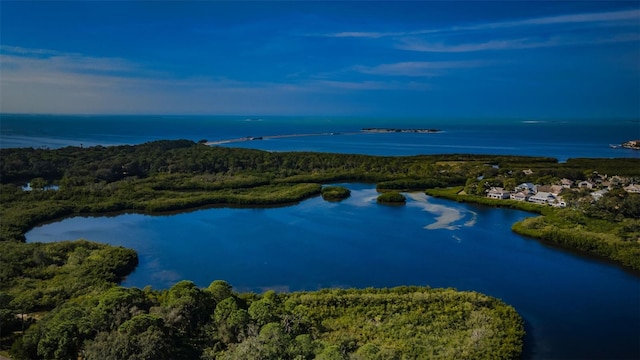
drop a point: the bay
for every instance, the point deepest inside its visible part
(560, 139)
(574, 306)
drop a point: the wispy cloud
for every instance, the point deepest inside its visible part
(416, 44)
(418, 68)
(540, 32)
(375, 35)
(331, 85)
(614, 17)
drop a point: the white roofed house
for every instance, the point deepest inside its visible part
(543, 198)
(498, 193)
(633, 188)
(520, 196)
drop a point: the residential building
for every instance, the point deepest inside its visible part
(633, 188)
(586, 184)
(520, 196)
(556, 189)
(498, 193)
(530, 188)
(543, 198)
(566, 183)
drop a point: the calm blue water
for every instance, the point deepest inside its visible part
(558, 139)
(575, 307)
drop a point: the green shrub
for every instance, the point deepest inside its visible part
(391, 197)
(335, 193)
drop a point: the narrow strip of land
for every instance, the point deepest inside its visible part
(250, 138)
(363, 131)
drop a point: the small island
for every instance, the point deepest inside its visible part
(392, 197)
(335, 193)
(391, 130)
(632, 144)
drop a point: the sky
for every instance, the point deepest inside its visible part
(440, 59)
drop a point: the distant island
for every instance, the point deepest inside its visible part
(389, 130)
(631, 144)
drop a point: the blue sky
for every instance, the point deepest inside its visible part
(477, 59)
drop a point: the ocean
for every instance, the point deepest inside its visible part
(560, 139)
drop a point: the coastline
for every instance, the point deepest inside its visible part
(254, 138)
(284, 136)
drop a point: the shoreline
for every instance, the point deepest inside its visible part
(361, 132)
(268, 137)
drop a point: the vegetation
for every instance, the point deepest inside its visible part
(186, 322)
(64, 295)
(176, 175)
(335, 193)
(391, 197)
(38, 277)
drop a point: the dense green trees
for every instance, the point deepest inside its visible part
(187, 322)
(41, 276)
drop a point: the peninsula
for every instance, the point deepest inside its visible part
(392, 130)
(282, 136)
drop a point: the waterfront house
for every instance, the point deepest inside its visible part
(633, 188)
(519, 196)
(559, 202)
(543, 198)
(498, 193)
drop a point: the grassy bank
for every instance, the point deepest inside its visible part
(568, 228)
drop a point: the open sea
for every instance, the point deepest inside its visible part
(560, 139)
(574, 306)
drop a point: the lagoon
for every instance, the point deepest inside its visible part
(574, 306)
